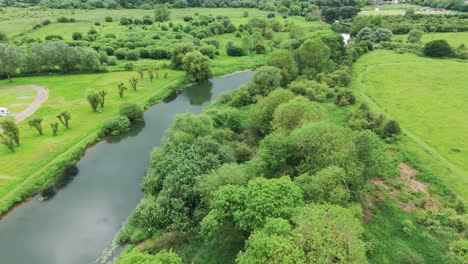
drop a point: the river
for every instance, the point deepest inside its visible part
(80, 221)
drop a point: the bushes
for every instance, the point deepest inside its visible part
(132, 55)
(121, 53)
(344, 98)
(208, 51)
(116, 125)
(133, 112)
(437, 48)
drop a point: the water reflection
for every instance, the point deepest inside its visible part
(134, 131)
(200, 93)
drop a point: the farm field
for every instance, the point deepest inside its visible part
(455, 39)
(428, 98)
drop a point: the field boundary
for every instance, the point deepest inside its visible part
(359, 85)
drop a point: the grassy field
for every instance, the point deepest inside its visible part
(455, 39)
(394, 9)
(16, 101)
(428, 98)
(17, 23)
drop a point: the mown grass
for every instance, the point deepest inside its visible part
(16, 101)
(67, 92)
(428, 98)
(455, 39)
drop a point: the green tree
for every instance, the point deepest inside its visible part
(309, 88)
(415, 36)
(122, 89)
(161, 13)
(382, 34)
(36, 123)
(391, 129)
(197, 66)
(266, 79)
(10, 60)
(134, 83)
(133, 112)
(55, 128)
(249, 207)
(326, 186)
(10, 129)
(437, 48)
(141, 71)
(64, 118)
(262, 112)
(365, 34)
(284, 60)
(7, 140)
(103, 94)
(295, 113)
(313, 57)
(329, 234)
(247, 44)
(178, 54)
(94, 99)
(272, 244)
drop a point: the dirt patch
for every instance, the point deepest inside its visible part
(407, 177)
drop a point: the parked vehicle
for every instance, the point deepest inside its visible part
(4, 111)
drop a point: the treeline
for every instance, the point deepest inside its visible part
(47, 57)
(284, 5)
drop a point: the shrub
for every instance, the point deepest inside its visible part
(112, 61)
(108, 19)
(77, 36)
(391, 128)
(115, 125)
(128, 66)
(235, 51)
(133, 112)
(132, 55)
(437, 48)
(208, 51)
(121, 53)
(345, 98)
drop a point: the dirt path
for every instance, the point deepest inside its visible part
(41, 97)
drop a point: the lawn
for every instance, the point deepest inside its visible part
(67, 92)
(455, 39)
(428, 97)
(16, 101)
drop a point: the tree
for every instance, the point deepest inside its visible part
(36, 123)
(134, 83)
(326, 186)
(77, 36)
(64, 118)
(151, 72)
(103, 94)
(272, 244)
(133, 112)
(8, 141)
(161, 13)
(10, 129)
(94, 99)
(313, 57)
(329, 234)
(141, 71)
(249, 207)
(266, 79)
(262, 112)
(122, 89)
(197, 66)
(365, 34)
(10, 60)
(284, 60)
(415, 36)
(382, 34)
(437, 48)
(178, 54)
(310, 89)
(246, 42)
(55, 129)
(391, 129)
(295, 113)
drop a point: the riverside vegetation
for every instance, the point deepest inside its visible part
(318, 159)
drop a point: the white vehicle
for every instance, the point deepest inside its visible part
(4, 111)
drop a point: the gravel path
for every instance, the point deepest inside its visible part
(41, 97)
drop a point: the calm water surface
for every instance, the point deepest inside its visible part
(80, 221)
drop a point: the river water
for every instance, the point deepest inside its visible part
(80, 221)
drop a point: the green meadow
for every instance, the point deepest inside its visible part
(455, 39)
(429, 99)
